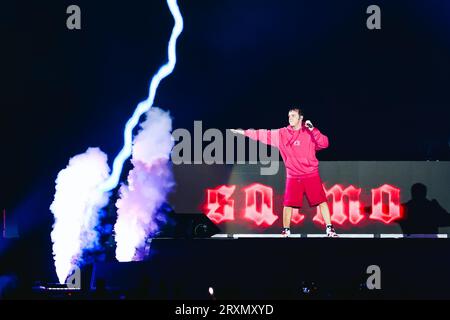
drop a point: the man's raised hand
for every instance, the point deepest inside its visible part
(309, 125)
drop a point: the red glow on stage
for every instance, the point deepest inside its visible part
(379, 211)
(338, 206)
(259, 211)
(354, 206)
(297, 217)
(345, 205)
(219, 206)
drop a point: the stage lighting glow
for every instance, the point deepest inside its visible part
(261, 212)
(219, 207)
(259, 206)
(297, 217)
(337, 192)
(379, 211)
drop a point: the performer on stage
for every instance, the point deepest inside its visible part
(298, 143)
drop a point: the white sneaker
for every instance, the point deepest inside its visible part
(286, 233)
(331, 233)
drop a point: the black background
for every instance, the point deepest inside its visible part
(378, 95)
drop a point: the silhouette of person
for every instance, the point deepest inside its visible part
(422, 216)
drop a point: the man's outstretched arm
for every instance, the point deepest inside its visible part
(270, 137)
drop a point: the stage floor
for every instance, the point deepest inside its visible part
(277, 268)
(344, 235)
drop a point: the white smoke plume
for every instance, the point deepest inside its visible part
(149, 183)
(76, 208)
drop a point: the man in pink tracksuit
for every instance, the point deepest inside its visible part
(298, 144)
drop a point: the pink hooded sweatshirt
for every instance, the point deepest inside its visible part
(297, 147)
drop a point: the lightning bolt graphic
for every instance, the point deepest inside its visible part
(145, 105)
(82, 188)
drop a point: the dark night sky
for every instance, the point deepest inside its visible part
(378, 95)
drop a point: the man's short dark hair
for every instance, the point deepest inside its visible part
(298, 110)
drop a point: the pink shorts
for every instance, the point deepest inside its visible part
(311, 186)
